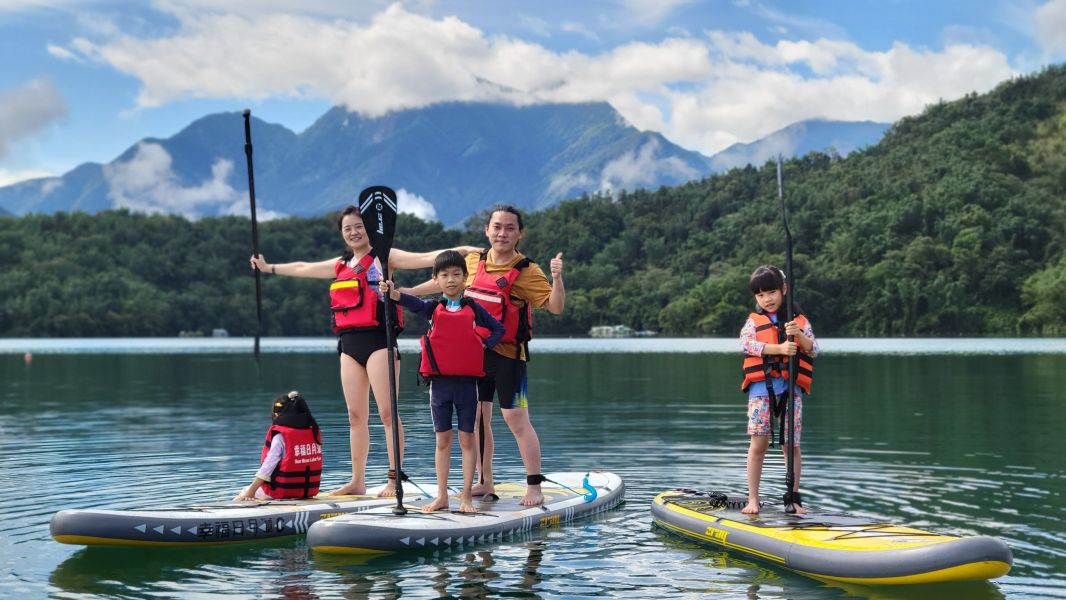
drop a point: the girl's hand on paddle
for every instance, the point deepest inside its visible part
(556, 266)
(792, 329)
(788, 348)
(258, 262)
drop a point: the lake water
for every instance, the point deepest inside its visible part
(958, 436)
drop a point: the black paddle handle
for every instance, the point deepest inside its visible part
(255, 228)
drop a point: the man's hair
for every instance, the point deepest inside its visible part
(506, 208)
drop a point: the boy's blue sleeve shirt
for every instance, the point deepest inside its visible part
(483, 319)
(417, 305)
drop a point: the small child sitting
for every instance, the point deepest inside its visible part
(292, 455)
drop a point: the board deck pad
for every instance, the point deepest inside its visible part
(378, 530)
(831, 545)
(207, 523)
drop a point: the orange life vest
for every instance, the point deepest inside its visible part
(756, 367)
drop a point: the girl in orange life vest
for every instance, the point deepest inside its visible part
(452, 360)
(291, 456)
(762, 340)
(505, 364)
(361, 344)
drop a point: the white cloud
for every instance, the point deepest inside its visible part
(638, 168)
(62, 53)
(703, 93)
(1051, 28)
(146, 183)
(8, 177)
(413, 204)
(27, 110)
(641, 168)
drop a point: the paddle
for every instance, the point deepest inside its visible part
(377, 206)
(790, 497)
(255, 230)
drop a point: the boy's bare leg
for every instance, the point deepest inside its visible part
(467, 446)
(443, 461)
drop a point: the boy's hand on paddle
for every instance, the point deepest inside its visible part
(556, 266)
(385, 287)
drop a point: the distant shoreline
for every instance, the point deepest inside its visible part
(556, 345)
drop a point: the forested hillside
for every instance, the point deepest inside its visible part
(953, 225)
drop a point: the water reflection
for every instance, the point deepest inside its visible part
(884, 437)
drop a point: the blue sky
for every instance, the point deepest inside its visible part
(83, 79)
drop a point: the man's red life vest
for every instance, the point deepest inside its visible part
(354, 299)
(493, 292)
(452, 347)
(756, 367)
(299, 473)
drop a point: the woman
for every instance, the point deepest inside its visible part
(361, 334)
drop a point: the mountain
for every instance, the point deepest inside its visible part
(451, 159)
(798, 139)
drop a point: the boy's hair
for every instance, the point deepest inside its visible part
(449, 258)
(766, 278)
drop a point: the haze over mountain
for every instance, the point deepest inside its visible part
(447, 161)
(842, 137)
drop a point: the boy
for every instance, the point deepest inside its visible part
(452, 361)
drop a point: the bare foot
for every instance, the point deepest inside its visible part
(800, 510)
(389, 490)
(350, 489)
(441, 503)
(466, 504)
(482, 489)
(752, 508)
(533, 496)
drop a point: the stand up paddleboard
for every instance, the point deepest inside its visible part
(201, 524)
(567, 496)
(832, 546)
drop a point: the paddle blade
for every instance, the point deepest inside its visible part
(377, 206)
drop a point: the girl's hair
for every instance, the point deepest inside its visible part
(506, 208)
(291, 410)
(768, 278)
(447, 259)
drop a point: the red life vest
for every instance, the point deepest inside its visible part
(452, 346)
(493, 292)
(299, 473)
(354, 299)
(756, 367)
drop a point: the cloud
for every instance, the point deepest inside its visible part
(146, 183)
(638, 168)
(8, 177)
(413, 204)
(1051, 28)
(641, 168)
(704, 93)
(27, 110)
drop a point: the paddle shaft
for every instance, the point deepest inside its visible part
(790, 473)
(396, 446)
(255, 229)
